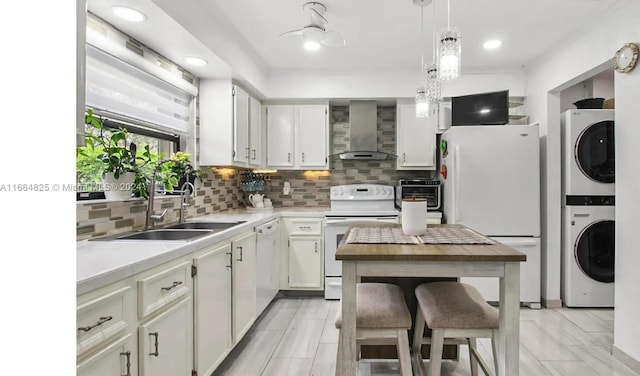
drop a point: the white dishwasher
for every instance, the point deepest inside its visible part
(267, 283)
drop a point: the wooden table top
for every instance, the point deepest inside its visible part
(427, 252)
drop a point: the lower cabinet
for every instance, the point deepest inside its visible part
(212, 308)
(305, 259)
(116, 359)
(165, 342)
(243, 265)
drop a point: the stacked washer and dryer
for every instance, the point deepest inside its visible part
(588, 208)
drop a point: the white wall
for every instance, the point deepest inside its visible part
(382, 84)
(587, 54)
(627, 133)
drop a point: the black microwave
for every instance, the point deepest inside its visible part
(419, 188)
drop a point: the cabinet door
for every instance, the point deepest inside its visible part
(255, 132)
(116, 359)
(244, 284)
(313, 130)
(212, 308)
(416, 139)
(280, 127)
(240, 126)
(305, 262)
(165, 342)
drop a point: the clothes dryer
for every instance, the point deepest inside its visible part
(588, 155)
(588, 252)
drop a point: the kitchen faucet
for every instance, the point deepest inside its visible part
(185, 191)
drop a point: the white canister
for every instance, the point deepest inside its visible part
(414, 216)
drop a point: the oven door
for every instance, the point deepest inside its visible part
(334, 229)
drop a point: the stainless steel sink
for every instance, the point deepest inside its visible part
(206, 225)
(165, 234)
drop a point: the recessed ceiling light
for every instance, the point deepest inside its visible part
(492, 44)
(128, 14)
(195, 61)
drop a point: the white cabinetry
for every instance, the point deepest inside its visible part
(212, 307)
(298, 136)
(416, 139)
(304, 254)
(243, 284)
(114, 360)
(230, 125)
(165, 342)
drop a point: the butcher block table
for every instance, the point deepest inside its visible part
(432, 256)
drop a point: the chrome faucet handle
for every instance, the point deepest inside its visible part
(159, 217)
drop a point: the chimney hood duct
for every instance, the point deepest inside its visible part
(363, 133)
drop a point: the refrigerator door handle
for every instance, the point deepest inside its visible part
(456, 177)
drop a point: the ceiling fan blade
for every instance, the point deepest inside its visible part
(317, 18)
(333, 39)
(291, 32)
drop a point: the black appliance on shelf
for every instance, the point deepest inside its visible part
(480, 109)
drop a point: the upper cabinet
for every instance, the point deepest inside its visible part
(298, 136)
(230, 126)
(416, 139)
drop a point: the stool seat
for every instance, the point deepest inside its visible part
(379, 306)
(455, 305)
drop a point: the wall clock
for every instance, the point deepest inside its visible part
(626, 58)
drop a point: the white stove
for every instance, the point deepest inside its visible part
(351, 205)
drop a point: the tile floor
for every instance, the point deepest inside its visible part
(296, 337)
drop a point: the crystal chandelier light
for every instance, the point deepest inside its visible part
(449, 50)
(422, 102)
(433, 87)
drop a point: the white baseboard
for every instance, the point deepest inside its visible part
(552, 303)
(625, 358)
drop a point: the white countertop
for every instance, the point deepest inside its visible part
(99, 263)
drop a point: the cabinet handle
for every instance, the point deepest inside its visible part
(230, 259)
(128, 364)
(173, 285)
(404, 157)
(288, 157)
(248, 152)
(302, 157)
(155, 353)
(254, 154)
(316, 246)
(100, 322)
(240, 248)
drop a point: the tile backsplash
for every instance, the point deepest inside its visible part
(218, 192)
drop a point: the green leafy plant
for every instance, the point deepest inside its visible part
(179, 166)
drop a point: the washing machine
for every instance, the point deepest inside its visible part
(588, 156)
(588, 251)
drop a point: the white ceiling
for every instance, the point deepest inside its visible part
(380, 34)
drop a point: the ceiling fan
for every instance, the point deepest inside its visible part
(315, 33)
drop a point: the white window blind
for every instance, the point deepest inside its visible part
(115, 86)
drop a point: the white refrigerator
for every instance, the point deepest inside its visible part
(492, 185)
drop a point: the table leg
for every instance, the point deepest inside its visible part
(346, 362)
(509, 336)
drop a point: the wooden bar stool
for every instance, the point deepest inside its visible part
(382, 318)
(456, 313)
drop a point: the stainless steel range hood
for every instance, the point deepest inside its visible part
(363, 133)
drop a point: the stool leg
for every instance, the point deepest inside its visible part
(358, 349)
(418, 332)
(494, 348)
(338, 363)
(404, 355)
(437, 341)
(474, 362)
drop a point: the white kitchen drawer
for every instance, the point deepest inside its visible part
(304, 226)
(162, 288)
(101, 319)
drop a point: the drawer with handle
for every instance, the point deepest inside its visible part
(101, 319)
(163, 288)
(304, 226)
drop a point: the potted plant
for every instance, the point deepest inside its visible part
(116, 159)
(180, 167)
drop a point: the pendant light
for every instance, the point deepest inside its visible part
(433, 87)
(449, 50)
(422, 102)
